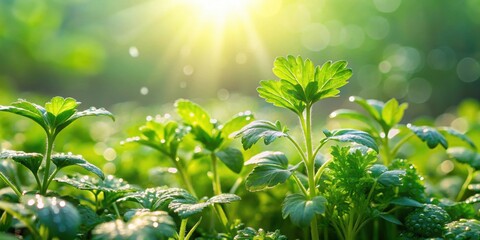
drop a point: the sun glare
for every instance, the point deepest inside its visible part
(221, 10)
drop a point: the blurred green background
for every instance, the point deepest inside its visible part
(152, 52)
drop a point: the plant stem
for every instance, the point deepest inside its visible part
(306, 122)
(48, 156)
(10, 184)
(386, 150)
(52, 176)
(183, 229)
(300, 185)
(471, 173)
(115, 207)
(184, 175)
(192, 230)
(217, 187)
(400, 144)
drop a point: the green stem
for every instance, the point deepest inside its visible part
(52, 176)
(217, 187)
(48, 156)
(221, 215)
(400, 144)
(183, 229)
(115, 207)
(37, 179)
(320, 171)
(235, 186)
(184, 175)
(10, 184)
(299, 149)
(471, 173)
(300, 185)
(306, 122)
(386, 151)
(190, 233)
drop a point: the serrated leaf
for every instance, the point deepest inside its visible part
(232, 158)
(261, 129)
(272, 169)
(32, 161)
(143, 225)
(159, 197)
(351, 135)
(273, 92)
(465, 155)
(391, 178)
(194, 115)
(65, 160)
(390, 218)
(59, 109)
(392, 112)
(458, 135)
(224, 198)
(407, 202)
(302, 210)
(330, 77)
(473, 199)
(294, 70)
(60, 217)
(429, 135)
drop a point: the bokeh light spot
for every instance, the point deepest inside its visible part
(133, 51)
(419, 90)
(188, 70)
(144, 90)
(387, 6)
(468, 70)
(377, 28)
(315, 37)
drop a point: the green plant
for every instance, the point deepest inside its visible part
(427, 221)
(301, 85)
(53, 118)
(463, 229)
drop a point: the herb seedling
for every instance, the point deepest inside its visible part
(301, 85)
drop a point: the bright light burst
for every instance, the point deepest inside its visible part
(220, 10)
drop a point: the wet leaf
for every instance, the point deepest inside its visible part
(65, 160)
(429, 135)
(194, 115)
(236, 123)
(391, 178)
(142, 225)
(272, 169)
(186, 207)
(60, 217)
(32, 161)
(158, 198)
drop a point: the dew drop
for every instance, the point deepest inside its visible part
(144, 91)
(31, 202)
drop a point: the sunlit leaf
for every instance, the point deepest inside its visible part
(143, 225)
(261, 129)
(236, 123)
(301, 210)
(159, 198)
(194, 115)
(465, 155)
(249, 233)
(58, 216)
(372, 106)
(186, 208)
(351, 135)
(330, 77)
(29, 110)
(92, 111)
(30, 160)
(272, 92)
(232, 158)
(59, 109)
(272, 169)
(392, 112)
(350, 115)
(429, 135)
(294, 70)
(65, 160)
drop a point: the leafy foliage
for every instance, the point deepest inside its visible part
(463, 229)
(65, 160)
(429, 135)
(256, 130)
(465, 155)
(271, 169)
(250, 233)
(301, 210)
(427, 221)
(32, 161)
(351, 135)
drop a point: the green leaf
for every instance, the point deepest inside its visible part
(232, 158)
(92, 111)
(330, 77)
(302, 210)
(185, 208)
(29, 110)
(30, 160)
(458, 135)
(294, 70)
(377, 170)
(372, 106)
(60, 109)
(236, 123)
(159, 198)
(271, 170)
(143, 225)
(65, 160)
(274, 92)
(391, 178)
(58, 216)
(407, 202)
(390, 218)
(392, 112)
(258, 129)
(429, 135)
(351, 114)
(194, 115)
(351, 135)
(465, 155)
